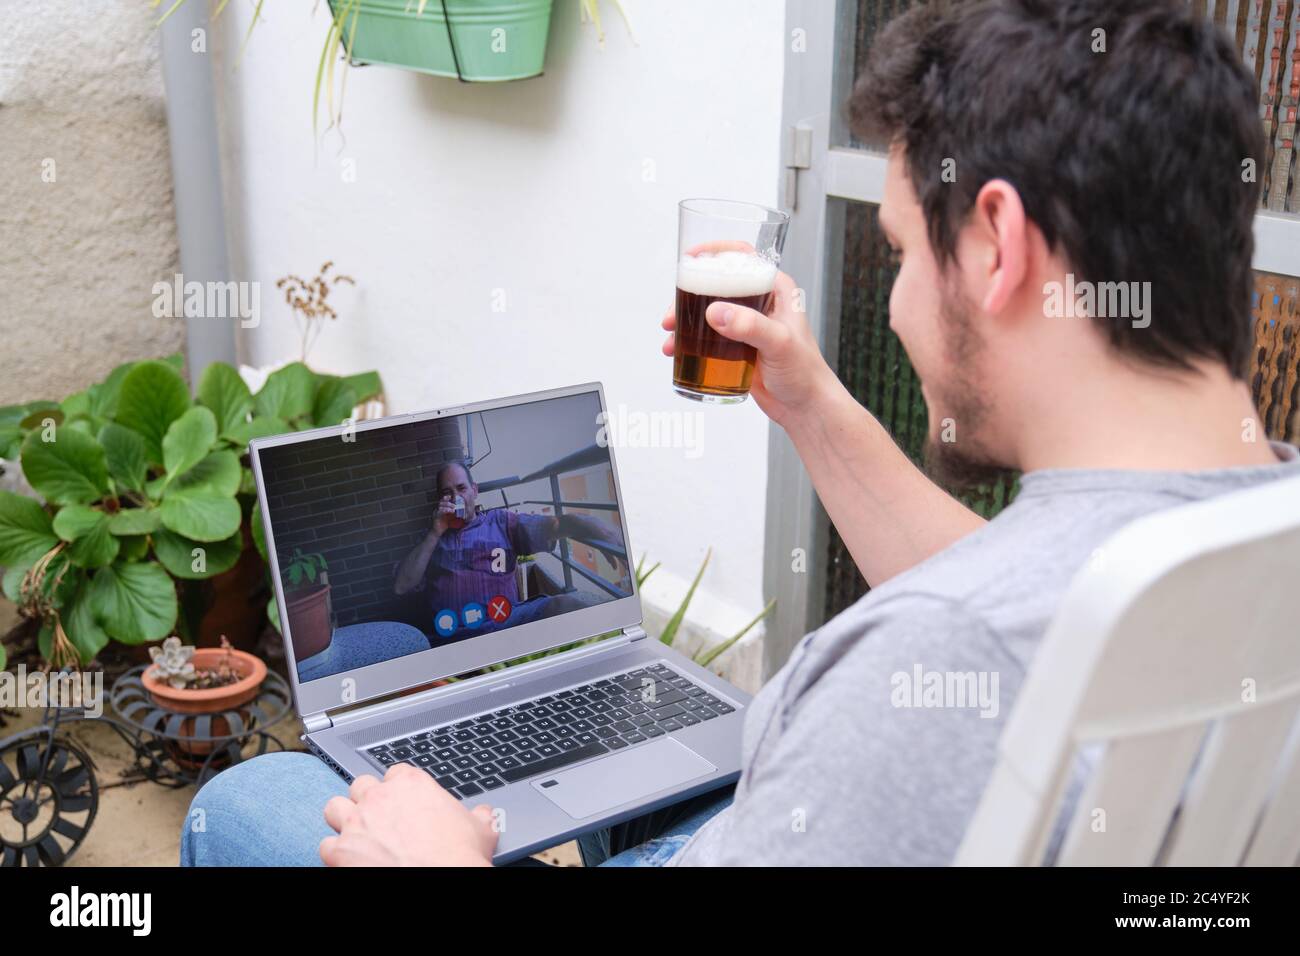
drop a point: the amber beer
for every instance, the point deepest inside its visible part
(707, 366)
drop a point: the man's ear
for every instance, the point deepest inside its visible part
(1000, 231)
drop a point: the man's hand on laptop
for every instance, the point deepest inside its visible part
(406, 820)
(791, 373)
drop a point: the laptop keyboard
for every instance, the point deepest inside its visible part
(482, 753)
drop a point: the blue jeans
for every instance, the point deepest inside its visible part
(268, 811)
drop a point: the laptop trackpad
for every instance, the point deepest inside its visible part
(621, 778)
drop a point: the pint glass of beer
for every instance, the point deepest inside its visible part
(726, 251)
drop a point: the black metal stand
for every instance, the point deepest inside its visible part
(48, 792)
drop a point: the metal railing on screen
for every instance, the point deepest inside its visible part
(590, 457)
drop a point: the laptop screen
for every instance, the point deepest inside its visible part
(394, 540)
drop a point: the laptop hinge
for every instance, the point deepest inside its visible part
(488, 682)
(317, 722)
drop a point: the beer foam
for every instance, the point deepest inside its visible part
(729, 274)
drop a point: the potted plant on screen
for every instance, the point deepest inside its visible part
(307, 603)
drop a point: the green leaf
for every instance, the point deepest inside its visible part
(78, 403)
(77, 521)
(260, 427)
(83, 628)
(257, 530)
(69, 470)
(334, 402)
(57, 570)
(705, 658)
(642, 575)
(133, 521)
(247, 483)
(134, 547)
(125, 455)
(177, 555)
(58, 584)
(135, 602)
(10, 437)
(3, 658)
(217, 474)
(153, 396)
(12, 414)
(13, 580)
(200, 515)
(273, 614)
(288, 392)
(223, 391)
(39, 412)
(366, 385)
(670, 629)
(187, 440)
(104, 396)
(176, 360)
(26, 530)
(92, 545)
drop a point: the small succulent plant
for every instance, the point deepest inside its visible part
(173, 662)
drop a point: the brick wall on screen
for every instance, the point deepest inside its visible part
(363, 505)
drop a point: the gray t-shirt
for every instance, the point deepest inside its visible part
(844, 764)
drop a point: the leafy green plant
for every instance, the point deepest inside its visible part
(304, 567)
(146, 490)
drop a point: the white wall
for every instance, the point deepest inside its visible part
(560, 192)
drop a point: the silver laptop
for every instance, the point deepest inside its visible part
(412, 549)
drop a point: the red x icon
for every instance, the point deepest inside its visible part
(499, 608)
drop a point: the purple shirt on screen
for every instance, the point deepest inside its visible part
(461, 568)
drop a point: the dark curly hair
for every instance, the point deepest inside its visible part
(1132, 161)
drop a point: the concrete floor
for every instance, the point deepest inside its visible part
(139, 822)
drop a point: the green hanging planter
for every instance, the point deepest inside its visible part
(484, 41)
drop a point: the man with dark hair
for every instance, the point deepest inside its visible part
(1065, 193)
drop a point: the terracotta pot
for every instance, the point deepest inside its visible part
(308, 611)
(213, 700)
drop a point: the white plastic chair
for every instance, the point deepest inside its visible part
(1177, 649)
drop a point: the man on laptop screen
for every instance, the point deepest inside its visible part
(467, 559)
(387, 546)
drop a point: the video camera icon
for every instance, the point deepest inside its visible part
(472, 614)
